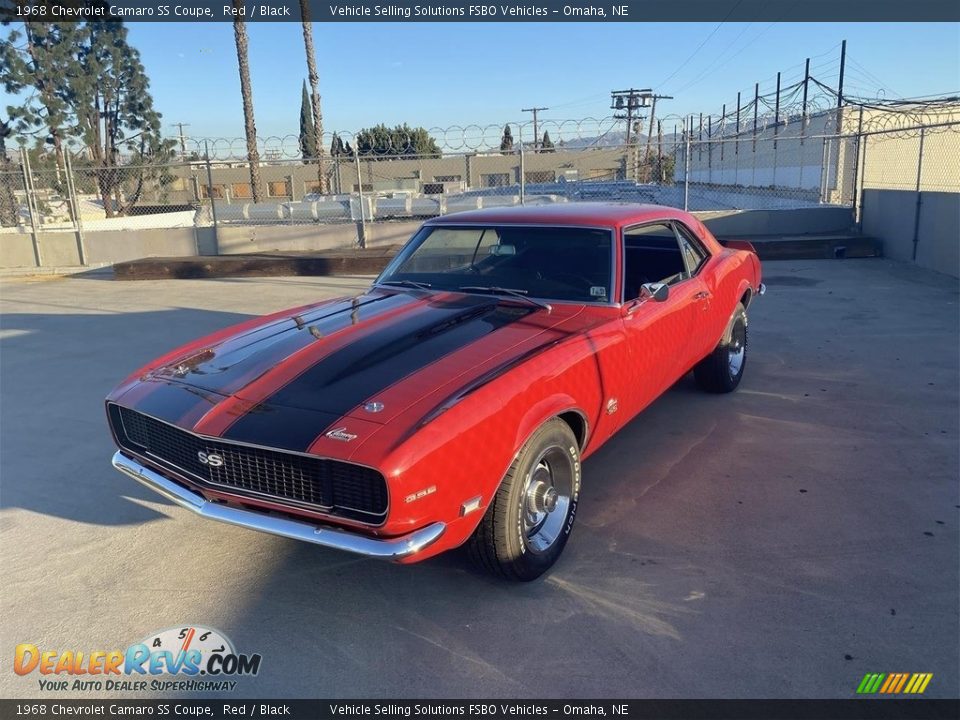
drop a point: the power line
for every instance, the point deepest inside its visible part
(700, 46)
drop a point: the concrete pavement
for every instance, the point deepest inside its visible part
(778, 542)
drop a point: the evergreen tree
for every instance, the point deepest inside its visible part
(8, 180)
(85, 81)
(506, 142)
(114, 111)
(308, 137)
(38, 61)
(402, 140)
(546, 146)
(338, 149)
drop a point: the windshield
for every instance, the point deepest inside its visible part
(553, 263)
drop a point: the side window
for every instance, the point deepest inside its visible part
(694, 256)
(651, 254)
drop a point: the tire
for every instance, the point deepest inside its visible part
(722, 369)
(530, 518)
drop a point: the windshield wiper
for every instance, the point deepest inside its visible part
(407, 283)
(519, 294)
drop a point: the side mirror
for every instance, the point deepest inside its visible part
(658, 292)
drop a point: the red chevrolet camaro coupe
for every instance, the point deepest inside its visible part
(454, 401)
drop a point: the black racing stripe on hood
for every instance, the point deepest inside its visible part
(227, 370)
(344, 380)
(173, 401)
(284, 428)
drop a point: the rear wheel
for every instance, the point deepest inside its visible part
(530, 518)
(721, 370)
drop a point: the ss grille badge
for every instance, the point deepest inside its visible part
(341, 434)
(211, 459)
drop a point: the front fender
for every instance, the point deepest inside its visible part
(547, 408)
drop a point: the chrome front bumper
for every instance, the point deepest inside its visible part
(386, 549)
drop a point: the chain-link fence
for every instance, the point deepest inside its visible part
(801, 162)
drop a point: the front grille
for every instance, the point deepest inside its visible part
(330, 485)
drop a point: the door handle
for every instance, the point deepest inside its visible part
(702, 295)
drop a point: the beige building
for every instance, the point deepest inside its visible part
(429, 176)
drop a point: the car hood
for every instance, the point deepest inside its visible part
(367, 358)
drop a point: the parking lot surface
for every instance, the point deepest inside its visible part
(778, 542)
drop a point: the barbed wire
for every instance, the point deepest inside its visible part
(819, 117)
(456, 139)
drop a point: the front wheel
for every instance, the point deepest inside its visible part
(530, 518)
(722, 369)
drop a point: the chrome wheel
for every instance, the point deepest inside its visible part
(546, 498)
(737, 349)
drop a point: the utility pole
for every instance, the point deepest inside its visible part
(627, 103)
(653, 114)
(183, 144)
(536, 136)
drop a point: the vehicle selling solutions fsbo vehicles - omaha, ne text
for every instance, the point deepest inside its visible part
(454, 401)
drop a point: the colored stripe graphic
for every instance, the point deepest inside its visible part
(903, 680)
(894, 683)
(301, 410)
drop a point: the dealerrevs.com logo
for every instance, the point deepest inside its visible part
(202, 659)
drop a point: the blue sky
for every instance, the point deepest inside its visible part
(436, 75)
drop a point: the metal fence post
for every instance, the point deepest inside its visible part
(523, 176)
(362, 227)
(864, 139)
(31, 205)
(213, 201)
(916, 216)
(75, 206)
(686, 175)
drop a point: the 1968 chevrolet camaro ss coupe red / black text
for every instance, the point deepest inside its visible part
(454, 401)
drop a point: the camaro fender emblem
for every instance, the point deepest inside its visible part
(341, 434)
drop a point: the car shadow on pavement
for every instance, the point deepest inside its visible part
(56, 371)
(364, 619)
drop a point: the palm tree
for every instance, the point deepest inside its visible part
(314, 92)
(250, 126)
